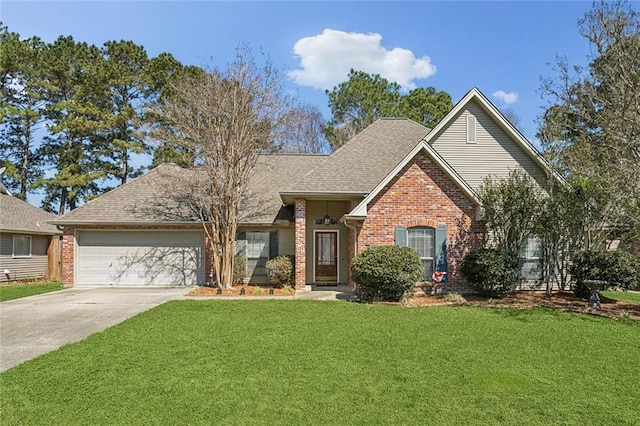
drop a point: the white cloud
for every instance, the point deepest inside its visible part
(326, 59)
(506, 98)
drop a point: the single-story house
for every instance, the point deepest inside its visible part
(396, 182)
(29, 246)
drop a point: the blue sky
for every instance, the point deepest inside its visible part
(495, 46)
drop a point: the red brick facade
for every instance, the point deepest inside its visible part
(422, 194)
(300, 241)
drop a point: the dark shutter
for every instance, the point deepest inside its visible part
(241, 244)
(273, 244)
(401, 236)
(441, 249)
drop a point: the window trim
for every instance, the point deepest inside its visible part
(253, 273)
(433, 250)
(522, 259)
(13, 249)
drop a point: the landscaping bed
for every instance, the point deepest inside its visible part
(562, 300)
(249, 290)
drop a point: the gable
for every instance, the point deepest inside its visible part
(360, 211)
(495, 152)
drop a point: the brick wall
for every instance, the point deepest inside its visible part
(422, 194)
(68, 246)
(300, 218)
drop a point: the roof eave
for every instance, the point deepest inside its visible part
(289, 197)
(119, 223)
(30, 231)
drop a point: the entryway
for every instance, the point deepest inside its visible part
(326, 256)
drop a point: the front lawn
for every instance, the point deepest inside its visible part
(9, 292)
(309, 362)
(621, 295)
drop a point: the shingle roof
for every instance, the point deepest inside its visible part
(364, 161)
(156, 196)
(19, 216)
(271, 174)
(151, 198)
(357, 167)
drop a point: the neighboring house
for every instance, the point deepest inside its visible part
(28, 244)
(396, 182)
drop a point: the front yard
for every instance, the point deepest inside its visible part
(293, 362)
(17, 290)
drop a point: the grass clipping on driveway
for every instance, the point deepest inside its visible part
(290, 362)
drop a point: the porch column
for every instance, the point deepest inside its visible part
(68, 255)
(301, 241)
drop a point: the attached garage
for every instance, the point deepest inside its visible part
(139, 258)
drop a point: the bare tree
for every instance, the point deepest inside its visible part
(224, 119)
(307, 135)
(512, 116)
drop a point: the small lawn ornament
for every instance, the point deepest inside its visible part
(438, 276)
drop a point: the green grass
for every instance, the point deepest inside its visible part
(309, 362)
(11, 292)
(621, 295)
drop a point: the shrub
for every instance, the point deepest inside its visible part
(616, 268)
(386, 272)
(239, 269)
(490, 272)
(280, 270)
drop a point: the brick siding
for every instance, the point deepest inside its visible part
(300, 223)
(422, 194)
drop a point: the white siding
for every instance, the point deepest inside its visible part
(25, 267)
(494, 152)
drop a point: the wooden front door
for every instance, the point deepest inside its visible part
(326, 256)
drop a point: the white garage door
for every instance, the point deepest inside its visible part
(166, 258)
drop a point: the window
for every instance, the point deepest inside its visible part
(471, 129)
(257, 252)
(21, 246)
(422, 240)
(531, 259)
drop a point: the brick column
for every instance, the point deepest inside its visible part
(68, 258)
(301, 241)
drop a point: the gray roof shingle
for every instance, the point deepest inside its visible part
(19, 216)
(357, 167)
(364, 161)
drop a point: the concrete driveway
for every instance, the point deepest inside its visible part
(35, 325)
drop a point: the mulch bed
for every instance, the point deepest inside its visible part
(563, 300)
(249, 290)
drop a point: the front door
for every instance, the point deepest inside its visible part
(326, 256)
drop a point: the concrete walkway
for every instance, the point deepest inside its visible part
(339, 292)
(35, 325)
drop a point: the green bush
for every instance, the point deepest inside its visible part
(490, 272)
(280, 270)
(616, 268)
(386, 272)
(239, 269)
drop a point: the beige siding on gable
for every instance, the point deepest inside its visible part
(21, 268)
(494, 152)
